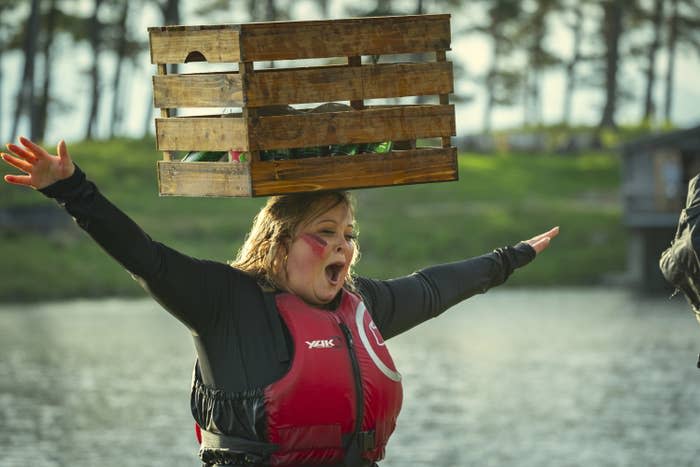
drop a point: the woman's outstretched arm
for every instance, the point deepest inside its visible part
(188, 288)
(399, 304)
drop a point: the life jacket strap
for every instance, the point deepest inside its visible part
(365, 440)
(233, 450)
(360, 442)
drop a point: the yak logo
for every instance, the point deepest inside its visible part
(323, 343)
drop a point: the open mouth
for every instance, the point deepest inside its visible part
(333, 272)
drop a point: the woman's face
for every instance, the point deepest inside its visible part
(319, 256)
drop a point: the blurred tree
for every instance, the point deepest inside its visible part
(324, 6)
(54, 20)
(501, 82)
(26, 104)
(380, 8)
(683, 31)
(94, 34)
(534, 29)
(126, 50)
(612, 33)
(8, 29)
(655, 17)
(119, 46)
(42, 113)
(211, 7)
(572, 8)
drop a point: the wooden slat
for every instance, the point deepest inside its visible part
(247, 70)
(339, 38)
(198, 90)
(204, 179)
(441, 57)
(348, 83)
(345, 172)
(176, 44)
(164, 113)
(361, 126)
(355, 102)
(201, 134)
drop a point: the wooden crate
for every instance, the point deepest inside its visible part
(253, 90)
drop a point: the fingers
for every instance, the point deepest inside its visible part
(551, 233)
(540, 244)
(17, 162)
(37, 150)
(62, 152)
(21, 152)
(24, 180)
(541, 241)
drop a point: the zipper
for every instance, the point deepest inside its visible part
(359, 392)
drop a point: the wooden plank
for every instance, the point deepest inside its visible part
(348, 83)
(190, 44)
(441, 57)
(362, 126)
(198, 90)
(344, 38)
(345, 172)
(164, 113)
(247, 70)
(201, 134)
(204, 179)
(355, 103)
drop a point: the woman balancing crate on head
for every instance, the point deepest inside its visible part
(291, 365)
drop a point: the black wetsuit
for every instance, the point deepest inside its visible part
(224, 307)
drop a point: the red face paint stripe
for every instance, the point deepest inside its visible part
(317, 244)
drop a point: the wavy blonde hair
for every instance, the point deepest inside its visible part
(263, 254)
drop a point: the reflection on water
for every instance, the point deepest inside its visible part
(525, 378)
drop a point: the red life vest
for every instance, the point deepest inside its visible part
(314, 408)
(341, 368)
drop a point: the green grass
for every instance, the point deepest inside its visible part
(498, 201)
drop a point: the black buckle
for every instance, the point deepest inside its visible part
(365, 440)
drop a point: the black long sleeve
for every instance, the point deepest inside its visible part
(402, 303)
(185, 286)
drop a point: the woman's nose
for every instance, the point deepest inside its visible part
(341, 244)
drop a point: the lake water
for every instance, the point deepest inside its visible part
(521, 378)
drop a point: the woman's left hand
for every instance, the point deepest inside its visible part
(541, 241)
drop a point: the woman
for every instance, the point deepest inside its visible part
(292, 368)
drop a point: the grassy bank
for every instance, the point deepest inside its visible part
(499, 199)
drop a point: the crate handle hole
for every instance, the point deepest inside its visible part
(195, 56)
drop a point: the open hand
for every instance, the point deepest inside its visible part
(41, 168)
(541, 241)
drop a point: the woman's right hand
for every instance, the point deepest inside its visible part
(41, 168)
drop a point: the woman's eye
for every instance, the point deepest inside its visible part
(327, 232)
(350, 237)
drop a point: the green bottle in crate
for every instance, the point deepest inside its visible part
(377, 148)
(344, 149)
(310, 151)
(205, 156)
(275, 154)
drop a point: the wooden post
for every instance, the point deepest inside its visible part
(246, 69)
(356, 60)
(164, 112)
(441, 56)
